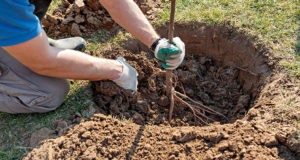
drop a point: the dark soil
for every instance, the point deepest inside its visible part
(198, 77)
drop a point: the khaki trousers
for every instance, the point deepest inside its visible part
(24, 91)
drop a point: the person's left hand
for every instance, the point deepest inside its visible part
(128, 78)
(172, 54)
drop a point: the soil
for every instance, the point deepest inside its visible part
(258, 128)
(198, 77)
(224, 70)
(85, 17)
(104, 137)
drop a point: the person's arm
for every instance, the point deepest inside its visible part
(127, 14)
(43, 59)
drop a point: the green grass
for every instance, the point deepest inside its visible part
(271, 23)
(54, 4)
(14, 128)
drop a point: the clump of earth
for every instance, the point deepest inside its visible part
(85, 17)
(198, 77)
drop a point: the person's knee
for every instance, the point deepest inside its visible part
(46, 99)
(55, 96)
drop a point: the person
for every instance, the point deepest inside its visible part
(33, 73)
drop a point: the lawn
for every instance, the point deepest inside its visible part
(272, 23)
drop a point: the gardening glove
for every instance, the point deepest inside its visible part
(128, 78)
(172, 54)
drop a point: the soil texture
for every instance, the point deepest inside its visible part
(198, 77)
(84, 17)
(222, 70)
(107, 138)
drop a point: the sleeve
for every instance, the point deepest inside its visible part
(18, 24)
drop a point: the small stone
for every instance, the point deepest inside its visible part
(148, 147)
(79, 5)
(79, 19)
(46, 23)
(94, 21)
(138, 118)
(223, 146)
(89, 142)
(61, 124)
(107, 22)
(86, 134)
(77, 114)
(244, 100)
(184, 135)
(67, 20)
(90, 111)
(114, 109)
(52, 18)
(280, 137)
(248, 139)
(213, 137)
(142, 106)
(293, 143)
(93, 4)
(38, 136)
(271, 141)
(189, 92)
(163, 101)
(75, 31)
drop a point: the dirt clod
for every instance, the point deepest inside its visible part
(184, 135)
(75, 31)
(163, 101)
(138, 118)
(87, 16)
(41, 134)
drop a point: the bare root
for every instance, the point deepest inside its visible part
(199, 110)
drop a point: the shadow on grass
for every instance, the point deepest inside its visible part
(16, 129)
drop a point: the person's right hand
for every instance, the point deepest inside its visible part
(172, 54)
(128, 78)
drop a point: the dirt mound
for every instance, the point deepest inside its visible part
(84, 17)
(107, 138)
(261, 126)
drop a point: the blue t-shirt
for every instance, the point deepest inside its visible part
(17, 22)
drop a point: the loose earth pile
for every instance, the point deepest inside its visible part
(84, 17)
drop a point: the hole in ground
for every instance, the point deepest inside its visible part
(222, 70)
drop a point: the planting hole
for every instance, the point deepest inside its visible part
(222, 70)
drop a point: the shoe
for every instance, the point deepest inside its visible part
(75, 43)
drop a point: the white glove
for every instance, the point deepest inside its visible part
(128, 78)
(171, 54)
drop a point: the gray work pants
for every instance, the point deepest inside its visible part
(24, 91)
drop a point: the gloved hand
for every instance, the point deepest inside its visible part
(128, 78)
(172, 54)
